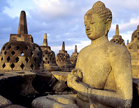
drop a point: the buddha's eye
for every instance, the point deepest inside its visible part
(92, 22)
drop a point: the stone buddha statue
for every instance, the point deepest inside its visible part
(102, 77)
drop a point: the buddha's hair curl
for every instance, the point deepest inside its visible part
(100, 9)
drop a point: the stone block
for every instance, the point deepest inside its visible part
(4, 102)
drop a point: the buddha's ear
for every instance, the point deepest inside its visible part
(108, 24)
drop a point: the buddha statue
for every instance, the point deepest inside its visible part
(102, 76)
(117, 38)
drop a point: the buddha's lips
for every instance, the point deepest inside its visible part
(88, 33)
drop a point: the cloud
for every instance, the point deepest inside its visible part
(132, 24)
(63, 20)
(3, 5)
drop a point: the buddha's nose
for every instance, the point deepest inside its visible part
(87, 27)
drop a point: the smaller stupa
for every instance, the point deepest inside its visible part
(63, 59)
(49, 60)
(117, 38)
(74, 56)
(133, 48)
(135, 34)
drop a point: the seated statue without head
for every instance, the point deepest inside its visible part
(102, 77)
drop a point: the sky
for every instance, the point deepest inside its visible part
(63, 20)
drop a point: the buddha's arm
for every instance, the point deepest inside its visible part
(122, 97)
(121, 67)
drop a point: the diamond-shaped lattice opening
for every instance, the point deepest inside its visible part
(1, 58)
(12, 66)
(22, 53)
(3, 65)
(45, 58)
(43, 55)
(13, 52)
(8, 59)
(34, 48)
(5, 52)
(17, 59)
(31, 53)
(26, 59)
(17, 47)
(38, 54)
(48, 62)
(35, 60)
(3, 47)
(46, 53)
(22, 66)
(9, 47)
(31, 66)
(26, 48)
(38, 65)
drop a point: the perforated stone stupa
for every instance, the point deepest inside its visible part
(117, 38)
(49, 60)
(74, 56)
(63, 59)
(20, 53)
(133, 48)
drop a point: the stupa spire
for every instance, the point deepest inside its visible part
(45, 40)
(117, 30)
(75, 48)
(63, 46)
(22, 28)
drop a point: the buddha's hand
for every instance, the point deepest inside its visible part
(78, 73)
(74, 78)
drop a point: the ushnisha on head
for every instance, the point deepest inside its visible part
(98, 14)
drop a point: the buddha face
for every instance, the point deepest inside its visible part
(95, 27)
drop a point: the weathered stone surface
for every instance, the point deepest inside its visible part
(14, 106)
(24, 86)
(100, 69)
(4, 102)
(17, 55)
(18, 83)
(61, 76)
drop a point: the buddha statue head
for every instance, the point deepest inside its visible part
(97, 21)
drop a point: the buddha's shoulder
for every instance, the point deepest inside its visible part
(116, 48)
(84, 50)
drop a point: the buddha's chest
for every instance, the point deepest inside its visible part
(96, 68)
